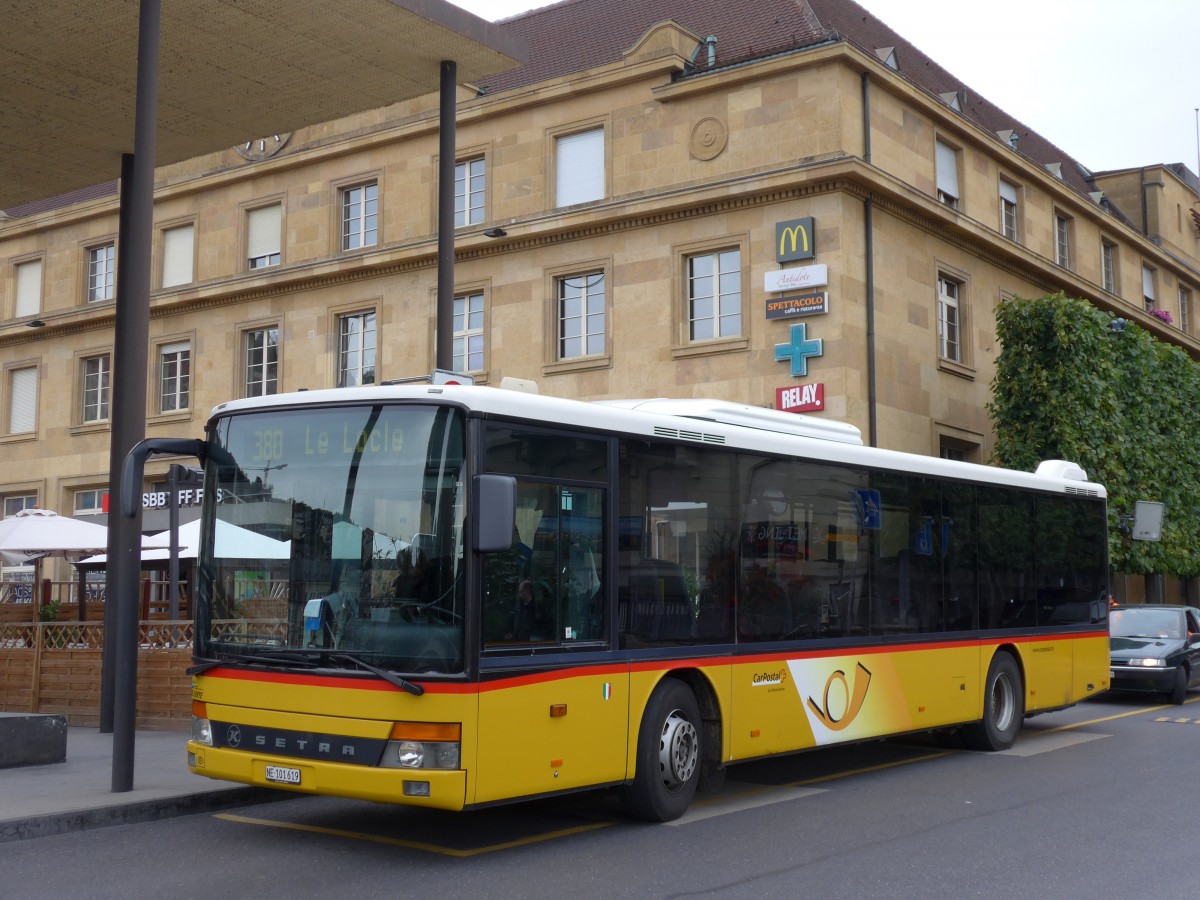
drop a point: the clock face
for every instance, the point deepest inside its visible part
(264, 147)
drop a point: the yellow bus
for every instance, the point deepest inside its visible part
(457, 596)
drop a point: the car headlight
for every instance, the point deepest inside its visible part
(1154, 663)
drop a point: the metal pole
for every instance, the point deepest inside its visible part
(129, 395)
(173, 564)
(108, 668)
(445, 215)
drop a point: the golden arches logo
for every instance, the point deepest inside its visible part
(796, 234)
(854, 697)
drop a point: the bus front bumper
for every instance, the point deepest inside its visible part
(433, 788)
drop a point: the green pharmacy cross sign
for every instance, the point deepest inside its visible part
(799, 349)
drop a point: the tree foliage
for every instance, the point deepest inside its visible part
(1121, 404)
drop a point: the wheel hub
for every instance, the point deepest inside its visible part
(678, 751)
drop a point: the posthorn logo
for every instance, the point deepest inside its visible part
(847, 700)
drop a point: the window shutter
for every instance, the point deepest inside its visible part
(262, 231)
(29, 288)
(580, 167)
(178, 255)
(1147, 282)
(1008, 192)
(22, 415)
(947, 170)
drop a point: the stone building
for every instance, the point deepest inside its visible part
(780, 203)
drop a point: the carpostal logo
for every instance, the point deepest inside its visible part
(763, 679)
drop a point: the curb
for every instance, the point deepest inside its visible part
(137, 811)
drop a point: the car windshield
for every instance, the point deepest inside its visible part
(333, 537)
(1148, 623)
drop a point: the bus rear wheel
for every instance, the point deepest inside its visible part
(669, 755)
(1003, 707)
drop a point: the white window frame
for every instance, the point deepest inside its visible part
(174, 377)
(96, 505)
(1062, 240)
(178, 255)
(101, 272)
(22, 398)
(949, 318)
(948, 191)
(264, 236)
(96, 388)
(470, 192)
(1009, 224)
(14, 503)
(719, 298)
(468, 332)
(27, 278)
(260, 361)
(1108, 266)
(579, 166)
(1185, 310)
(581, 330)
(357, 337)
(360, 215)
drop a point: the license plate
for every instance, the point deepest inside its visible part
(283, 774)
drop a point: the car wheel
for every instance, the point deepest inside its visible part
(1179, 688)
(1003, 707)
(669, 755)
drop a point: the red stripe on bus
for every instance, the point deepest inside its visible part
(561, 674)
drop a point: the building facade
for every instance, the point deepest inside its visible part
(789, 207)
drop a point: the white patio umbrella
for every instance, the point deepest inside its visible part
(34, 533)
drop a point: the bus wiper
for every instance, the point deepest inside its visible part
(390, 677)
(285, 658)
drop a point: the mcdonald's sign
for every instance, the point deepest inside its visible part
(794, 240)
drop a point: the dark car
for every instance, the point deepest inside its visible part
(1155, 648)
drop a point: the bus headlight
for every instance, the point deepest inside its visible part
(423, 745)
(202, 731)
(201, 726)
(420, 755)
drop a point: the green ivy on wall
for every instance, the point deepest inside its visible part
(1120, 403)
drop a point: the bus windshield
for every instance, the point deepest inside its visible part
(335, 539)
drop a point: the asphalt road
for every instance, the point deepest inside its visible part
(1095, 802)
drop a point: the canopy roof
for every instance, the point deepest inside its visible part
(230, 71)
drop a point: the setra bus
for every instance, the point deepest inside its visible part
(456, 596)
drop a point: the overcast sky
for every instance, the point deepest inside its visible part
(1112, 83)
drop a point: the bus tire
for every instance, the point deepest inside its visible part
(669, 755)
(1003, 707)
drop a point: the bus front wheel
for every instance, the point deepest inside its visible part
(1003, 707)
(669, 752)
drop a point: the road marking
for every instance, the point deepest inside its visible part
(1046, 743)
(1124, 715)
(752, 799)
(415, 845)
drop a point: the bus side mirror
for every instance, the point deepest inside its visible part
(135, 466)
(495, 512)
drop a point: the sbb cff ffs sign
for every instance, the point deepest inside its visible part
(800, 398)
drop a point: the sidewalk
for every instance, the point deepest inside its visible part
(76, 794)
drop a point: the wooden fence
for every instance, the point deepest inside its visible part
(54, 667)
